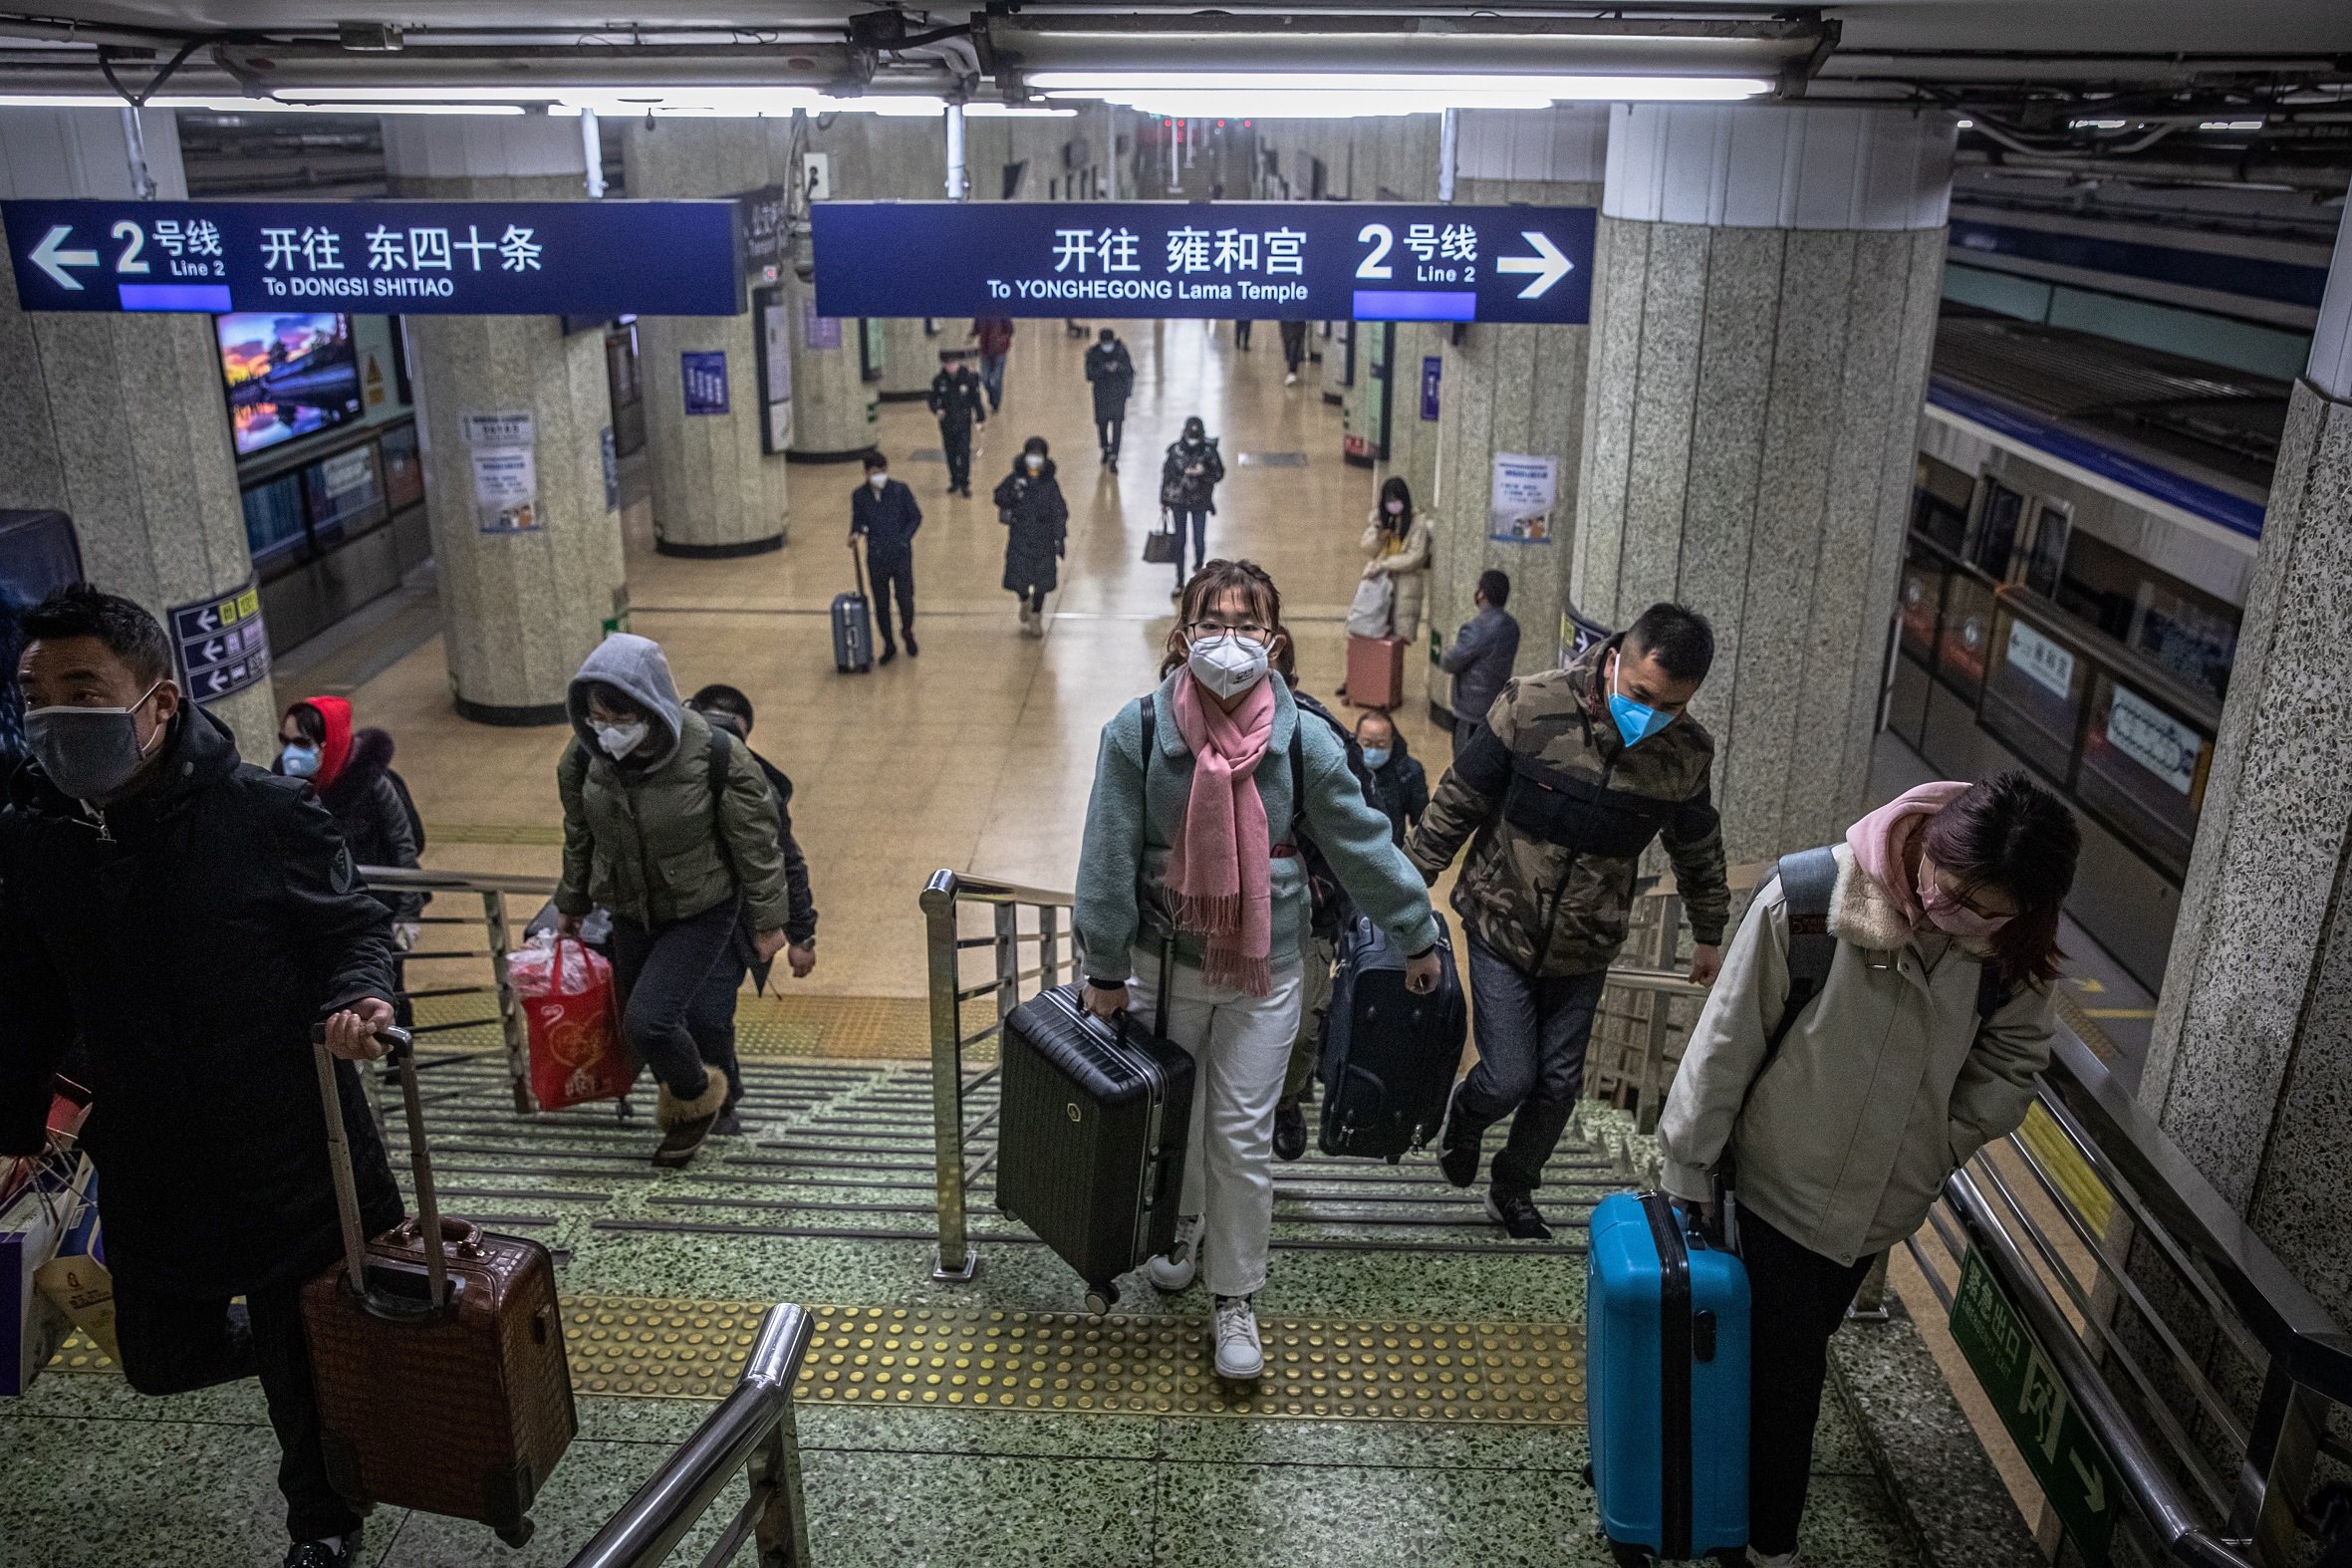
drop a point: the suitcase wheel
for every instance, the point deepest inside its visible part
(518, 1534)
(1629, 1556)
(1100, 1299)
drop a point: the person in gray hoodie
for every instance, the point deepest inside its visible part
(672, 827)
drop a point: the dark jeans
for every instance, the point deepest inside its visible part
(1294, 348)
(891, 573)
(957, 444)
(1108, 432)
(1197, 520)
(992, 378)
(1532, 1032)
(172, 1345)
(1034, 599)
(677, 986)
(1241, 334)
(1796, 1300)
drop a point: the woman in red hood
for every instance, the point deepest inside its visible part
(353, 774)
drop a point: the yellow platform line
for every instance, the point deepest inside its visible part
(2079, 1019)
(1384, 1369)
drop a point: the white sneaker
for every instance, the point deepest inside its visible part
(1173, 1269)
(1291, 379)
(1775, 1560)
(1240, 1357)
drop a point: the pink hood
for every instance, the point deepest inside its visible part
(1880, 840)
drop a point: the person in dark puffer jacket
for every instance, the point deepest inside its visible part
(352, 771)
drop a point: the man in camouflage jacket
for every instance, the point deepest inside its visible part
(1574, 774)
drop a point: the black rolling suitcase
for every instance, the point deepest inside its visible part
(853, 624)
(1092, 1152)
(1389, 1055)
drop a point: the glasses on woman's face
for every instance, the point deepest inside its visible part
(1968, 900)
(1216, 625)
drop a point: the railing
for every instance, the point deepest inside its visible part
(2197, 1362)
(492, 888)
(753, 1429)
(942, 898)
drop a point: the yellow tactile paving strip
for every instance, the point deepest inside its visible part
(1523, 1374)
(2064, 1003)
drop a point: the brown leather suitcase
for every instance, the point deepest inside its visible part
(1376, 671)
(442, 1383)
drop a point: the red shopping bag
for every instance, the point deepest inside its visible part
(566, 992)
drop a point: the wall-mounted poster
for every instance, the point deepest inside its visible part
(1519, 511)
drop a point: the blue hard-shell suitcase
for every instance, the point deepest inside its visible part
(1665, 1326)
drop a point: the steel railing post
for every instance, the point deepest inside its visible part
(1049, 947)
(1008, 958)
(1870, 1299)
(783, 1524)
(510, 1010)
(954, 1261)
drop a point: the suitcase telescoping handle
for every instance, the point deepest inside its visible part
(347, 1191)
(858, 565)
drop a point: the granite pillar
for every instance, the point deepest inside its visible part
(718, 489)
(2250, 1066)
(1516, 389)
(119, 420)
(1764, 305)
(523, 600)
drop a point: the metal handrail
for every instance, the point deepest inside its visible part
(754, 1427)
(492, 888)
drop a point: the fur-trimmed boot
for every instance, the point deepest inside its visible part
(685, 1123)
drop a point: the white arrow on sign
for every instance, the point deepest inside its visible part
(53, 261)
(2094, 1486)
(213, 650)
(1548, 264)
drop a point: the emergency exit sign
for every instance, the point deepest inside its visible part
(2074, 1471)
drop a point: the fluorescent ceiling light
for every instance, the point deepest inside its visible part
(2229, 125)
(2098, 124)
(248, 105)
(1276, 104)
(1461, 89)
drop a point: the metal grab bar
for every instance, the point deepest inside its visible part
(752, 1428)
(492, 888)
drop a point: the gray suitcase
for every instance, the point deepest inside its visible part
(852, 625)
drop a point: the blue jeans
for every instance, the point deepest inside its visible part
(1198, 518)
(992, 378)
(1532, 1033)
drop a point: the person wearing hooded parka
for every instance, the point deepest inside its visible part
(688, 863)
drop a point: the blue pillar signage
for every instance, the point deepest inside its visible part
(449, 258)
(1311, 261)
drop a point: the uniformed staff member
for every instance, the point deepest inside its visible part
(958, 401)
(189, 919)
(1572, 775)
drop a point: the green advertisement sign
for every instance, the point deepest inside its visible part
(2075, 1472)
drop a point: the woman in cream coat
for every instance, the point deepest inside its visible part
(1396, 538)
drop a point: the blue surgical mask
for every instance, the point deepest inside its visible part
(1375, 757)
(299, 762)
(1635, 722)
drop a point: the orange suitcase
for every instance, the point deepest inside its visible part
(1376, 671)
(442, 1383)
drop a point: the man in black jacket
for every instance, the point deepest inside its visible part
(189, 919)
(883, 512)
(731, 709)
(957, 403)
(1113, 377)
(1399, 785)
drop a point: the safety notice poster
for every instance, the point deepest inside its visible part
(1519, 511)
(504, 450)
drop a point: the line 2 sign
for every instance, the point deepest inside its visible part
(1304, 261)
(455, 258)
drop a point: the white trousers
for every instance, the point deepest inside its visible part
(1241, 1049)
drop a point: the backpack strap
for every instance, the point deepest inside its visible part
(1807, 879)
(1149, 724)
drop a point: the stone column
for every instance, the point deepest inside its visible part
(890, 157)
(519, 608)
(1516, 389)
(2250, 1065)
(119, 421)
(718, 490)
(1764, 301)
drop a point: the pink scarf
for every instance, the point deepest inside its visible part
(1881, 841)
(1218, 875)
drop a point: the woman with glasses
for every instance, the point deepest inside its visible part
(1919, 1047)
(1201, 790)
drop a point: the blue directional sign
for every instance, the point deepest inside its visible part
(450, 258)
(1313, 261)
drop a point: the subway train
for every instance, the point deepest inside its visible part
(2083, 525)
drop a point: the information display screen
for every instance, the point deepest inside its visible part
(288, 375)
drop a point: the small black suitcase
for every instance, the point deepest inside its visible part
(1092, 1152)
(1389, 1055)
(852, 625)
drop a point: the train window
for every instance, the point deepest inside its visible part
(1940, 495)
(2144, 766)
(2045, 556)
(2193, 635)
(1966, 632)
(1996, 529)
(2033, 693)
